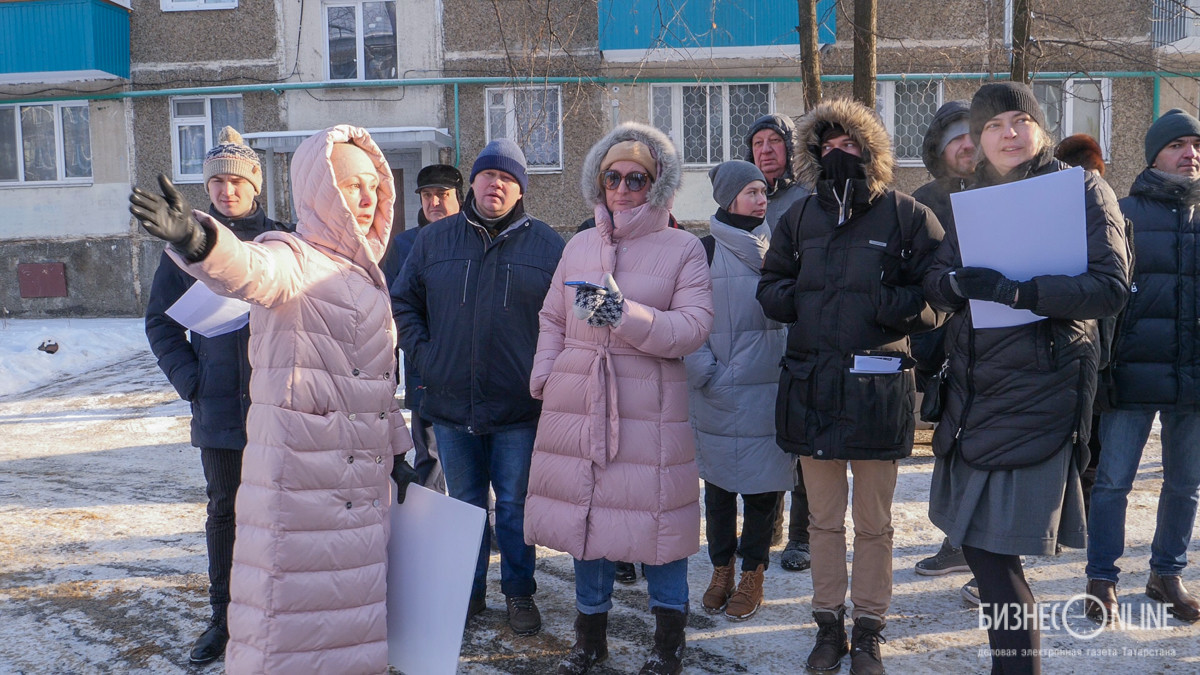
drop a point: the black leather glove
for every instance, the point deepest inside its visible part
(169, 217)
(403, 474)
(981, 283)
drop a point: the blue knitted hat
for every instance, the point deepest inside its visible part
(1173, 124)
(502, 155)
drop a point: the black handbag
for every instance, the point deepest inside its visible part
(935, 394)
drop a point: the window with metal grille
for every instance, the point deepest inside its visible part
(45, 143)
(907, 107)
(709, 122)
(532, 118)
(361, 40)
(1077, 106)
(195, 123)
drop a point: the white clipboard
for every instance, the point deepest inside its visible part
(432, 552)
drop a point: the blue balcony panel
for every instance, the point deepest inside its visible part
(701, 24)
(64, 36)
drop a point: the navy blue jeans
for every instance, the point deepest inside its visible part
(471, 463)
(1123, 435)
(667, 584)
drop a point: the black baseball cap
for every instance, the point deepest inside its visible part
(441, 176)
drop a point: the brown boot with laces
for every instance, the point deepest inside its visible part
(748, 597)
(719, 589)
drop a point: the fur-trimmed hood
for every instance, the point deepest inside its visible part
(670, 164)
(863, 125)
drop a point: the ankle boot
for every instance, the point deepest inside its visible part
(719, 589)
(591, 644)
(1170, 589)
(864, 646)
(1101, 605)
(831, 640)
(748, 597)
(667, 657)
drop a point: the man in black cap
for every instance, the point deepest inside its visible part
(440, 187)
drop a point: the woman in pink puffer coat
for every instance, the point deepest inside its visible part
(613, 475)
(310, 558)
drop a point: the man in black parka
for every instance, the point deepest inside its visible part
(213, 374)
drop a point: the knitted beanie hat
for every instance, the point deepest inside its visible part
(232, 156)
(730, 178)
(999, 97)
(1172, 125)
(502, 155)
(632, 151)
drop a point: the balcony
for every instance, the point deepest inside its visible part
(637, 29)
(63, 40)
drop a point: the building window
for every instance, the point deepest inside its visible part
(361, 38)
(1077, 106)
(709, 122)
(195, 123)
(907, 107)
(45, 143)
(532, 118)
(191, 5)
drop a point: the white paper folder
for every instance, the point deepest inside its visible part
(431, 564)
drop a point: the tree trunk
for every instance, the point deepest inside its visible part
(810, 54)
(864, 52)
(1020, 41)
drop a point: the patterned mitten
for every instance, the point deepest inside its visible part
(587, 301)
(609, 313)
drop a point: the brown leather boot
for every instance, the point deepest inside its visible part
(746, 600)
(1170, 589)
(591, 644)
(832, 644)
(719, 589)
(1101, 606)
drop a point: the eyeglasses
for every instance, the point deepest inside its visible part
(636, 181)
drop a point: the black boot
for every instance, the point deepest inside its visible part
(210, 646)
(591, 644)
(864, 646)
(667, 657)
(831, 640)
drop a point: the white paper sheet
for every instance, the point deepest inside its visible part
(864, 363)
(209, 314)
(1024, 229)
(431, 565)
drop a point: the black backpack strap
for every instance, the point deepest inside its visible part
(710, 247)
(906, 213)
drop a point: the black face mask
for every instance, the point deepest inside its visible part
(841, 166)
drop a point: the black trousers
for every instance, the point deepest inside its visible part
(425, 458)
(758, 519)
(1015, 643)
(798, 518)
(223, 475)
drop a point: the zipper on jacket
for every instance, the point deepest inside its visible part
(507, 283)
(466, 281)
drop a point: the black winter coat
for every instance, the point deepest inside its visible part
(1157, 349)
(213, 374)
(848, 289)
(393, 261)
(1017, 395)
(466, 308)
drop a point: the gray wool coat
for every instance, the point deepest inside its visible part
(734, 377)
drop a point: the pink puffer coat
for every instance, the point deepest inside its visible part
(310, 559)
(614, 462)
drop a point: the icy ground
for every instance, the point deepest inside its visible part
(102, 563)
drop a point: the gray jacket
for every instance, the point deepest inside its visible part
(734, 377)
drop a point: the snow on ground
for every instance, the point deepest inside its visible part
(102, 558)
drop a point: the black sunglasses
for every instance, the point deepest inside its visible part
(636, 181)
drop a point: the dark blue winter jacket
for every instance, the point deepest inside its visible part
(392, 263)
(466, 308)
(1156, 356)
(213, 374)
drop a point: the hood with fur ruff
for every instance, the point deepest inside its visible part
(863, 125)
(670, 164)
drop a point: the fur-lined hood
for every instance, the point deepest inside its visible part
(863, 125)
(670, 164)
